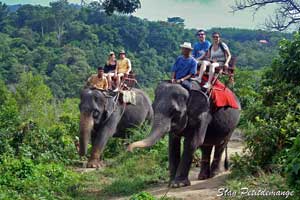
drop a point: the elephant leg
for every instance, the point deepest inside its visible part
(181, 179)
(174, 155)
(215, 166)
(93, 137)
(205, 163)
(99, 143)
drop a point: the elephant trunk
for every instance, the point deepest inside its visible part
(200, 132)
(86, 126)
(160, 127)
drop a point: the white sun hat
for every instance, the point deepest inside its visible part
(186, 45)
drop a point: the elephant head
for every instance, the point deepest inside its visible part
(170, 106)
(95, 108)
(199, 115)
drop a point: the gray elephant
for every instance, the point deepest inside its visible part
(189, 115)
(101, 117)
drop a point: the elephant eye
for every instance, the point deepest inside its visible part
(96, 113)
(174, 112)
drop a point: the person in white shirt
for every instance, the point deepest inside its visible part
(219, 55)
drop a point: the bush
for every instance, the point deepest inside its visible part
(22, 179)
(33, 153)
(142, 196)
(292, 168)
(272, 134)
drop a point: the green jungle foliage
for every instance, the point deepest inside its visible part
(65, 44)
(272, 130)
(47, 53)
(36, 142)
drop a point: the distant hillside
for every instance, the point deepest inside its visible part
(65, 44)
(14, 8)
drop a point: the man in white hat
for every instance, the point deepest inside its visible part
(185, 66)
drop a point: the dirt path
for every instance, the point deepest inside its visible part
(205, 189)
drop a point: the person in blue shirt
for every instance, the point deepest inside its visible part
(185, 66)
(201, 47)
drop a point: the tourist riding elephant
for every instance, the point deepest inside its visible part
(189, 115)
(101, 117)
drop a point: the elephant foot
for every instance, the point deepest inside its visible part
(215, 172)
(94, 163)
(204, 172)
(180, 183)
(203, 175)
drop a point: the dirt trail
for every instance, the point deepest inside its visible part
(205, 189)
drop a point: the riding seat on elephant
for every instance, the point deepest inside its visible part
(190, 115)
(103, 115)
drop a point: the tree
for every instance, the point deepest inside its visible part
(121, 6)
(176, 20)
(3, 13)
(62, 13)
(34, 97)
(287, 12)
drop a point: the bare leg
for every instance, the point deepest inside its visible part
(119, 76)
(204, 64)
(109, 81)
(212, 71)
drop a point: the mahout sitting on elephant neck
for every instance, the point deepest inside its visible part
(101, 117)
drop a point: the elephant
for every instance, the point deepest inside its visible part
(188, 114)
(103, 116)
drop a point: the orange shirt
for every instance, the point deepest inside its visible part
(99, 83)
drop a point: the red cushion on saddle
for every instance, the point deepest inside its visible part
(221, 95)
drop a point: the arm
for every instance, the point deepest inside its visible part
(88, 82)
(203, 56)
(194, 51)
(208, 54)
(228, 58)
(116, 70)
(173, 75)
(105, 85)
(186, 77)
(129, 66)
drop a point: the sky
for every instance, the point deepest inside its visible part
(197, 13)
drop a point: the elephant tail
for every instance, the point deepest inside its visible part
(226, 162)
